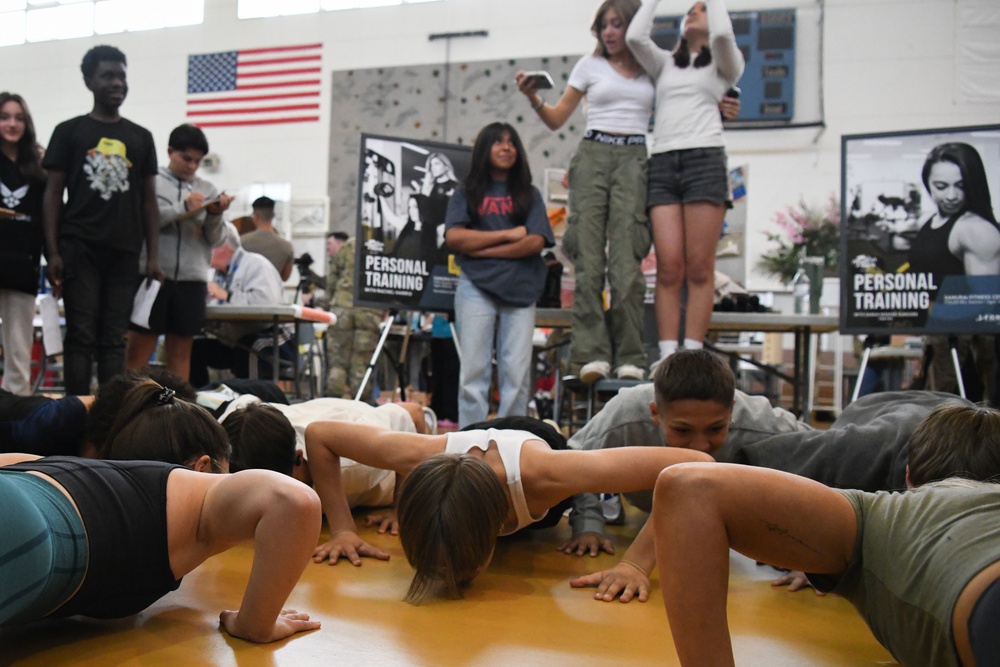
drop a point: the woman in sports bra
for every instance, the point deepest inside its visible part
(476, 484)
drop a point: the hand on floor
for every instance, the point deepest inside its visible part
(286, 624)
(623, 579)
(592, 543)
(346, 544)
(386, 521)
(795, 580)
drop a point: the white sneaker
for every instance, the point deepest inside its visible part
(630, 372)
(594, 371)
(611, 508)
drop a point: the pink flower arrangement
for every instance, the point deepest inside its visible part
(804, 230)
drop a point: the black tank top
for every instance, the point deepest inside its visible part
(123, 505)
(929, 251)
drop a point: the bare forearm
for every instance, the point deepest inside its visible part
(526, 247)
(325, 467)
(470, 241)
(51, 209)
(283, 543)
(642, 552)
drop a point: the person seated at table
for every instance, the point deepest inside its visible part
(464, 489)
(272, 437)
(920, 566)
(107, 539)
(241, 279)
(693, 403)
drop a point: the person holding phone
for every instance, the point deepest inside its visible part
(607, 178)
(688, 188)
(190, 213)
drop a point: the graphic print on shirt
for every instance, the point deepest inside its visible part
(107, 168)
(12, 198)
(496, 206)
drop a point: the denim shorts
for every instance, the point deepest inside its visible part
(687, 176)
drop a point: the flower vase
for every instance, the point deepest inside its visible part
(814, 267)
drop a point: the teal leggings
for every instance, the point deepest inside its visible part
(43, 548)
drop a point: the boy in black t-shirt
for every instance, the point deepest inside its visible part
(108, 166)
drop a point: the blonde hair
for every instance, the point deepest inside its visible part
(955, 441)
(451, 508)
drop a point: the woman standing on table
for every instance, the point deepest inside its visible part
(688, 184)
(607, 194)
(497, 226)
(22, 182)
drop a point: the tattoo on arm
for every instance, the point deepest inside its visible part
(784, 532)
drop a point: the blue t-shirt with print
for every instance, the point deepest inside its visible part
(514, 282)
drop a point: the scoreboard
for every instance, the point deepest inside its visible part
(767, 41)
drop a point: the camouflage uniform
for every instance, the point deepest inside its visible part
(351, 342)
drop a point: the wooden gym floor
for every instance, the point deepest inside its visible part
(520, 612)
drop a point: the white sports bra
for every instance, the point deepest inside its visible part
(508, 444)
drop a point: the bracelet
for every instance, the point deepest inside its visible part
(635, 565)
(541, 103)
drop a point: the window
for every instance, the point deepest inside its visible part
(44, 20)
(253, 9)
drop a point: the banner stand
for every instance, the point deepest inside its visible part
(952, 344)
(398, 364)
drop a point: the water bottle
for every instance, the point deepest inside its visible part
(800, 291)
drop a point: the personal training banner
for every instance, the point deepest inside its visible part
(920, 247)
(402, 261)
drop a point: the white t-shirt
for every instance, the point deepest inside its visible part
(615, 103)
(687, 98)
(363, 485)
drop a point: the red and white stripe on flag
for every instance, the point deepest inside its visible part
(265, 86)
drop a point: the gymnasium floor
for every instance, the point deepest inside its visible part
(520, 612)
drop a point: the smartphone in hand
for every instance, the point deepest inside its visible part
(541, 79)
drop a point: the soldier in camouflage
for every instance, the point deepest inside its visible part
(351, 342)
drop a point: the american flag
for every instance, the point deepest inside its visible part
(280, 84)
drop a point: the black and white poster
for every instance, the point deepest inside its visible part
(920, 246)
(402, 261)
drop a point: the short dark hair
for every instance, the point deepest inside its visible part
(188, 136)
(955, 441)
(340, 236)
(261, 437)
(98, 55)
(698, 375)
(262, 202)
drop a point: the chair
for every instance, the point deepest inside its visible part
(575, 395)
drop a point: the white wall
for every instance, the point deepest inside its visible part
(888, 65)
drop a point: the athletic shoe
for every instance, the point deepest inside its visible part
(611, 508)
(594, 371)
(630, 372)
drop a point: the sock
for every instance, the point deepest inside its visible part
(667, 347)
(692, 344)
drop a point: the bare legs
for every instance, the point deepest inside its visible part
(140, 348)
(685, 237)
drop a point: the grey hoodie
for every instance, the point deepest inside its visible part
(185, 245)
